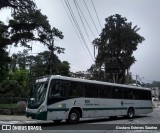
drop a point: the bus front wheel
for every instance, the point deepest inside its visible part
(74, 117)
(130, 113)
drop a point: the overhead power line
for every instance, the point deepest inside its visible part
(85, 20)
(96, 13)
(91, 16)
(71, 20)
(73, 62)
(72, 23)
(82, 21)
(77, 25)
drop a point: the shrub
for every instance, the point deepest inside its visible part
(21, 106)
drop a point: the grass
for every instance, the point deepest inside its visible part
(8, 106)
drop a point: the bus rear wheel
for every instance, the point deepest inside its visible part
(130, 113)
(74, 117)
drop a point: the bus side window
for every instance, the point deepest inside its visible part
(102, 92)
(109, 90)
(62, 89)
(91, 90)
(57, 89)
(73, 88)
(146, 95)
(127, 93)
(117, 92)
(137, 94)
(149, 95)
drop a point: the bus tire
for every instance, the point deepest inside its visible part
(74, 117)
(130, 113)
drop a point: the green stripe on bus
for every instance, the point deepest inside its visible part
(143, 107)
(67, 109)
(115, 108)
(58, 109)
(104, 108)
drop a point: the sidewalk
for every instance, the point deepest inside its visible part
(14, 118)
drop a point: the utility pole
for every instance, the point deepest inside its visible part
(136, 79)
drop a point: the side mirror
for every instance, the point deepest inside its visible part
(32, 99)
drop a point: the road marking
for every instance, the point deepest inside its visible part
(9, 122)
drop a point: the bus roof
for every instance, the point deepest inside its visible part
(96, 82)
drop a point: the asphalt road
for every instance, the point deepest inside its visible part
(104, 125)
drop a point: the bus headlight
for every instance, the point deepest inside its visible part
(41, 109)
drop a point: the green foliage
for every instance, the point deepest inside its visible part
(38, 65)
(17, 85)
(41, 63)
(4, 40)
(96, 73)
(17, 5)
(8, 106)
(153, 84)
(64, 68)
(28, 24)
(5, 3)
(10, 88)
(32, 25)
(116, 45)
(4, 58)
(21, 76)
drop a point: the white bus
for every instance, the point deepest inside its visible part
(64, 98)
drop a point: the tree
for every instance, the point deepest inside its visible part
(31, 25)
(116, 44)
(10, 88)
(41, 62)
(5, 4)
(17, 4)
(21, 76)
(4, 58)
(27, 25)
(95, 73)
(38, 65)
(63, 68)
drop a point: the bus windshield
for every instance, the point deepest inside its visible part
(37, 95)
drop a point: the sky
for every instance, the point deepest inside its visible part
(143, 13)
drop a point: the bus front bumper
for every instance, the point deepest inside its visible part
(38, 116)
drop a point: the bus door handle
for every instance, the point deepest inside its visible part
(122, 103)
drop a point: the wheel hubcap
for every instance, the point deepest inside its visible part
(131, 114)
(73, 116)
